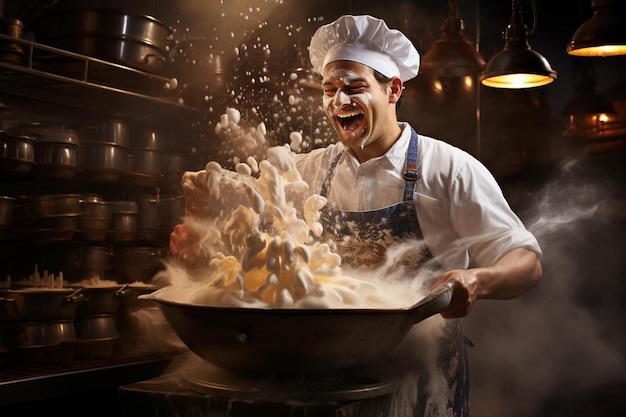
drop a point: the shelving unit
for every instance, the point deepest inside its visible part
(84, 84)
(63, 86)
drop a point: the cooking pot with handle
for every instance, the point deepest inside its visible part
(294, 341)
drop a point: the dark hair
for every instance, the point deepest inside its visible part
(384, 80)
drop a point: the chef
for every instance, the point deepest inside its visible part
(386, 184)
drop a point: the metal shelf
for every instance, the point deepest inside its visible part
(87, 84)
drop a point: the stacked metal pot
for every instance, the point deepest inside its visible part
(89, 319)
(56, 149)
(38, 323)
(135, 40)
(51, 217)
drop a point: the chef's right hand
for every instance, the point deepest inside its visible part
(184, 244)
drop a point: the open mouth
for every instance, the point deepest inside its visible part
(350, 122)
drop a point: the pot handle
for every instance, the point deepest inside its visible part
(121, 291)
(148, 57)
(75, 297)
(434, 302)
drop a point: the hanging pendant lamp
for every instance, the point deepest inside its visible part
(517, 66)
(602, 35)
(452, 55)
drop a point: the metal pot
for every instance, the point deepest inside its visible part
(95, 219)
(286, 341)
(96, 327)
(174, 168)
(45, 333)
(137, 264)
(124, 221)
(11, 52)
(51, 205)
(17, 153)
(108, 131)
(86, 262)
(40, 304)
(95, 209)
(100, 300)
(56, 160)
(138, 41)
(148, 139)
(43, 132)
(103, 161)
(6, 212)
(148, 217)
(147, 162)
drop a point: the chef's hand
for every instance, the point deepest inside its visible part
(465, 285)
(184, 244)
(516, 272)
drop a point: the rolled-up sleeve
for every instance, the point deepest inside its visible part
(464, 216)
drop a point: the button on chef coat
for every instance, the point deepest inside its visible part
(462, 212)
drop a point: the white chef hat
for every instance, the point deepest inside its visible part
(367, 40)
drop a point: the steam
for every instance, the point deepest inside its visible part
(548, 342)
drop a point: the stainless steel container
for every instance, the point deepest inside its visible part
(18, 153)
(138, 41)
(124, 221)
(56, 160)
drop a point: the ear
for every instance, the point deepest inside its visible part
(395, 86)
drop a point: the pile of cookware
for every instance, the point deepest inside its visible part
(56, 149)
(48, 217)
(104, 151)
(38, 322)
(120, 263)
(95, 321)
(89, 319)
(144, 219)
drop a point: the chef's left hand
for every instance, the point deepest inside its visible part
(465, 284)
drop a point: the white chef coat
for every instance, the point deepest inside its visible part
(462, 212)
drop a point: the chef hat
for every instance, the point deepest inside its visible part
(367, 40)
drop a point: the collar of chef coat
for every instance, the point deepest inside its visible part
(345, 195)
(396, 155)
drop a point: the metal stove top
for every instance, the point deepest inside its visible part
(343, 385)
(194, 385)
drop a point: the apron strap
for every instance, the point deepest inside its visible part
(411, 172)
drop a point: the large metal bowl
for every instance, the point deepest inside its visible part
(294, 341)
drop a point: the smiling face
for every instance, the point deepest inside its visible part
(360, 108)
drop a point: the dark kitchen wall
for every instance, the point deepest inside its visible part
(259, 39)
(513, 128)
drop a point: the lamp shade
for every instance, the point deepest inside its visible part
(517, 65)
(602, 35)
(452, 55)
(516, 68)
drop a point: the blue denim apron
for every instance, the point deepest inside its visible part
(362, 239)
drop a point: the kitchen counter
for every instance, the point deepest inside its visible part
(27, 383)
